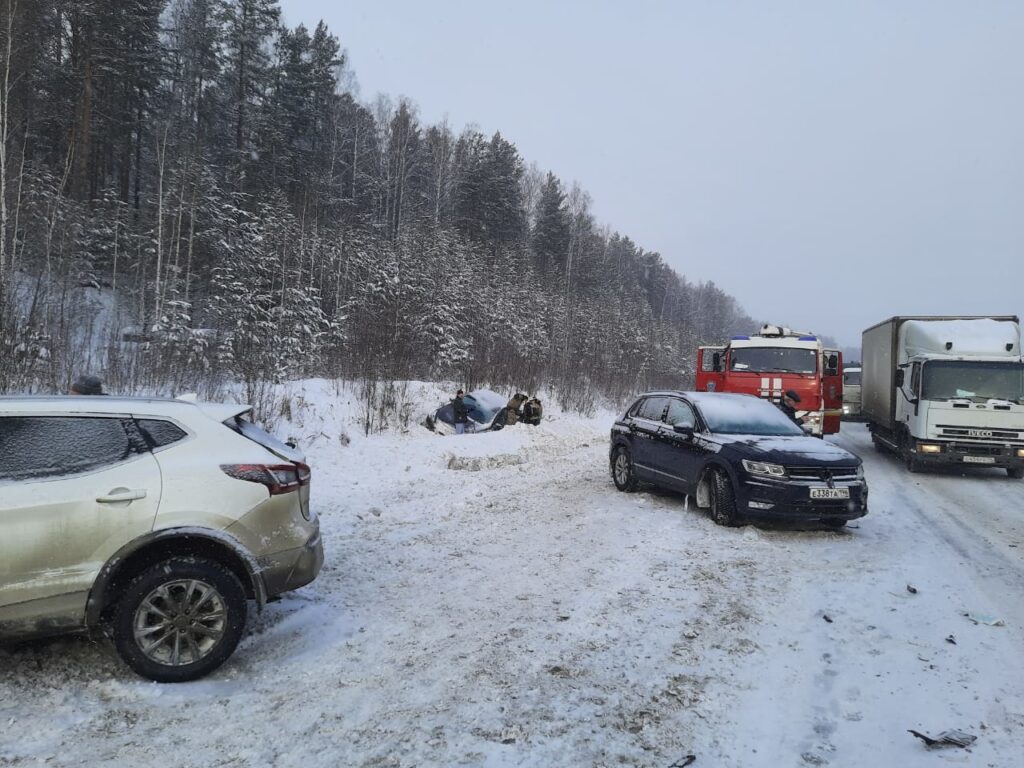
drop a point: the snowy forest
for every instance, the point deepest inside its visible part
(192, 192)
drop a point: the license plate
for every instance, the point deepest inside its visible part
(979, 460)
(830, 493)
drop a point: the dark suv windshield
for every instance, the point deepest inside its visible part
(745, 416)
(773, 360)
(973, 380)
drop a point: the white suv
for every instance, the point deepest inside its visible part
(152, 520)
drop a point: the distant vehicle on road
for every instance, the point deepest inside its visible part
(154, 521)
(946, 391)
(738, 456)
(851, 393)
(775, 361)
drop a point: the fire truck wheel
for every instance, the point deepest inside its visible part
(622, 470)
(723, 499)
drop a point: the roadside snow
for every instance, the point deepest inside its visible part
(492, 600)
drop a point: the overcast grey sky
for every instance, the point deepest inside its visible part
(830, 164)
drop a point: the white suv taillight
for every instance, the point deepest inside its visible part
(278, 478)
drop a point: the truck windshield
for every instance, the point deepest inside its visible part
(978, 381)
(773, 360)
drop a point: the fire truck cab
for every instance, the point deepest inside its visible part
(776, 360)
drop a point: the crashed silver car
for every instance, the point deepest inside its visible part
(486, 413)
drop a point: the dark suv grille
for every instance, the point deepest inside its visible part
(839, 474)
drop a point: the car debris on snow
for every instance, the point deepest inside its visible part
(684, 761)
(951, 640)
(911, 589)
(951, 738)
(988, 621)
(512, 735)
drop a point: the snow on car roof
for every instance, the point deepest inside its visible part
(101, 404)
(732, 412)
(488, 398)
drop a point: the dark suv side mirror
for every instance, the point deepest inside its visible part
(686, 430)
(900, 377)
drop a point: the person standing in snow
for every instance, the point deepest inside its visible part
(460, 413)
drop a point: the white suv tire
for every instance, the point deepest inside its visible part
(180, 619)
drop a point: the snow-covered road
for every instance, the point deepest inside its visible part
(493, 600)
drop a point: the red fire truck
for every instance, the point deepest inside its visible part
(778, 359)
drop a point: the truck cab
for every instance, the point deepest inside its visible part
(775, 361)
(957, 393)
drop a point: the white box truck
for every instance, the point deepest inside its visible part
(946, 390)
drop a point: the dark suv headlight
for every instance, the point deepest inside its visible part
(764, 468)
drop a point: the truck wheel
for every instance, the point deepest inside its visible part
(723, 500)
(180, 619)
(909, 458)
(622, 470)
(913, 465)
(1017, 473)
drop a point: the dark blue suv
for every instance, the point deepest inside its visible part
(738, 456)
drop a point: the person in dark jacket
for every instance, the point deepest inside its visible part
(790, 400)
(532, 411)
(87, 385)
(460, 412)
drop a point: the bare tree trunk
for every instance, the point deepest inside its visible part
(191, 239)
(161, 166)
(5, 121)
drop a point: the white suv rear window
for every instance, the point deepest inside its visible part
(257, 434)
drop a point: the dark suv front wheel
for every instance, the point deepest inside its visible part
(723, 499)
(180, 619)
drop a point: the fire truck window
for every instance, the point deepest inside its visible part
(709, 357)
(773, 360)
